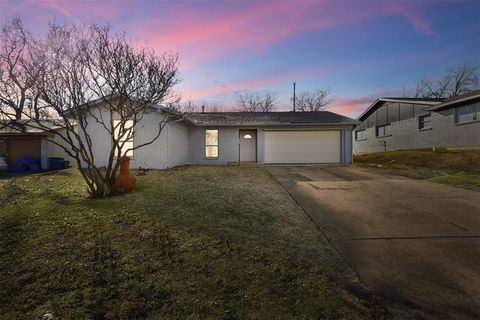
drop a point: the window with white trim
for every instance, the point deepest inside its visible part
(383, 131)
(425, 122)
(361, 135)
(468, 113)
(125, 140)
(211, 144)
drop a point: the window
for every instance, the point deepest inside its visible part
(211, 143)
(383, 131)
(361, 135)
(425, 122)
(468, 113)
(125, 141)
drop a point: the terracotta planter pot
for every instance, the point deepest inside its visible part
(125, 181)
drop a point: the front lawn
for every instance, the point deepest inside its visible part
(190, 242)
(459, 168)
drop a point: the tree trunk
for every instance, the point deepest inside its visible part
(101, 187)
(18, 113)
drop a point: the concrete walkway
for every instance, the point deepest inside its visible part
(415, 244)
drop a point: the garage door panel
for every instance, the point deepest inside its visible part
(302, 146)
(19, 147)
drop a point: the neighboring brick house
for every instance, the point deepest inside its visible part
(411, 123)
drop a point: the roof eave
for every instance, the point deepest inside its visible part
(450, 104)
(273, 124)
(427, 103)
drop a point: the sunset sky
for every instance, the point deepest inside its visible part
(359, 49)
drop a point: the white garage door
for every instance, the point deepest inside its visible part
(302, 146)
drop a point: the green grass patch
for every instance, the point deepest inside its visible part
(461, 180)
(459, 168)
(187, 243)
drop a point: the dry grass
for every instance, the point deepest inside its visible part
(187, 243)
(459, 168)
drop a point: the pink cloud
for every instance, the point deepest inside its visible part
(350, 106)
(255, 26)
(76, 9)
(261, 82)
(412, 15)
(353, 107)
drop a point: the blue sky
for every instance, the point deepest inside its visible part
(359, 49)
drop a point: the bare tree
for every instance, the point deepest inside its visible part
(457, 80)
(212, 107)
(186, 106)
(315, 100)
(463, 78)
(96, 79)
(256, 102)
(178, 105)
(20, 69)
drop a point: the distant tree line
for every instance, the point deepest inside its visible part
(457, 80)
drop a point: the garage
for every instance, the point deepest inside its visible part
(16, 146)
(307, 146)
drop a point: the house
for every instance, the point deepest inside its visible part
(18, 139)
(232, 137)
(205, 138)
(411, 123)
(272, 137)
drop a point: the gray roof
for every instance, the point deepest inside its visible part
(379, 101)
(25, 127)
(463, 98)
(417, 100)
(267, 118)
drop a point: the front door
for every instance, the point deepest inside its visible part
(248, 146)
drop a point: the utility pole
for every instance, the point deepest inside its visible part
(294, 96)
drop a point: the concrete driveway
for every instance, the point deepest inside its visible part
(415, 244)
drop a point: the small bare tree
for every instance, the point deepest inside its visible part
(96, 79)
(20, 69)
(186, 106)
(316, 100)
(212, 107)
(256, 102)
(457, 80)
(177, 105)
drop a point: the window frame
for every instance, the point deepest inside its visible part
(475, 114)
(421, 121)
(358, 131)
(384, 135)
(205, 145)
(132, 139)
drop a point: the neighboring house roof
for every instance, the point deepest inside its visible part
(267, 118)
(467, 97)
(377, 103)
(21, 127)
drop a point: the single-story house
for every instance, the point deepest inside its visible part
(272, 137)
(232, 137)
(412, 123)
(208, 138)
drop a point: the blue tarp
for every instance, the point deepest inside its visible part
(25, 163)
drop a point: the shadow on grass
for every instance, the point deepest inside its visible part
(12, 237)
(196, 242)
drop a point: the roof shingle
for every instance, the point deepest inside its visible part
(267, 118)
